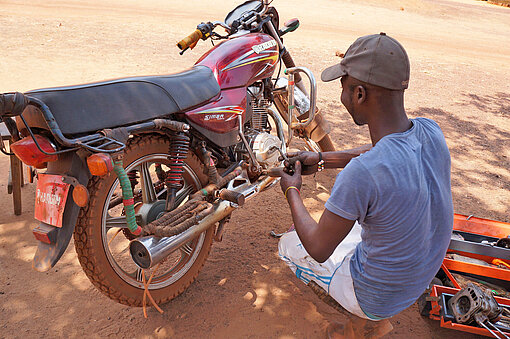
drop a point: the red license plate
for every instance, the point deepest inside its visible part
(50, 199)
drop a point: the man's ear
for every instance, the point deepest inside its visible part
(361, 94)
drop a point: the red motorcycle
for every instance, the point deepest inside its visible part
(146, 171)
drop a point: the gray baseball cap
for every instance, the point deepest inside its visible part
(375, 59)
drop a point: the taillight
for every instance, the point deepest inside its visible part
(26, 150)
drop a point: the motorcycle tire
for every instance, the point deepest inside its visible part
(111, 273)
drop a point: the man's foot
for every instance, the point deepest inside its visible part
(326, 298)
(338, 330)
(358, 328)
(355, 327)
(364, 328)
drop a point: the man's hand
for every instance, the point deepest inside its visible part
(288, 180)
(309, 161)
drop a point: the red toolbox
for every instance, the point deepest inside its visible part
(479, 252)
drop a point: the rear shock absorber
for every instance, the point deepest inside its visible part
(177, 153)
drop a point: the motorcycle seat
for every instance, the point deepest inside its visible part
(108, 104)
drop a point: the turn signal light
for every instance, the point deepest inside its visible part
(28, 152)
(80, 195)
(100, 164)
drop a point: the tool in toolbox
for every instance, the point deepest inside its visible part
(471, 304)
(477, 265)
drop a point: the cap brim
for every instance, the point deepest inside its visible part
(333, 72)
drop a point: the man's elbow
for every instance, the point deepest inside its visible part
(321, 259)
(319, 256)
(318, 251)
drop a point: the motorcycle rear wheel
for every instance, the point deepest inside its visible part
(106, 261)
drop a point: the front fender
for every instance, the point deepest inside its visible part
(47, 255)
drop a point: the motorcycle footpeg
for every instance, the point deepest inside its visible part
(232, 196)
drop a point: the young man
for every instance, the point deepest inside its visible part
(387, 224)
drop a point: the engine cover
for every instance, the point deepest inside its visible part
(263, 145)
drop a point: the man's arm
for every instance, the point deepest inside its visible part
(340, 159)
(319, 239)
(336, 159)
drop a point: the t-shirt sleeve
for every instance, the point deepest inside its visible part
(352, 192)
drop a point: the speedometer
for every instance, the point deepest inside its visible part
(241, 10)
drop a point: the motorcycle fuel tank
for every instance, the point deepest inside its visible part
(236, 63)
(240, 61)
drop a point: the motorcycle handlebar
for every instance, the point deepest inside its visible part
(190, 40)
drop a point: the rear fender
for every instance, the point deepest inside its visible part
(47, 255)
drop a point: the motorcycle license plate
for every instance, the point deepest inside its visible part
(50, 199)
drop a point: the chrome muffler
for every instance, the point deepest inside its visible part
(148, 251)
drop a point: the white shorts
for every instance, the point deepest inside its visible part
(333, 275)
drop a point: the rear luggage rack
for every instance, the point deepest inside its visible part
(101, 143)
(13, 105)
(95, 142)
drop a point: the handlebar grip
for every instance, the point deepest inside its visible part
(190, 40)
(12, 104)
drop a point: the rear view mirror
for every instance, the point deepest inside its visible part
(290, 26)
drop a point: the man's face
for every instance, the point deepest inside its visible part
(348, 100)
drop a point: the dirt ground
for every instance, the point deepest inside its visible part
(460, 71)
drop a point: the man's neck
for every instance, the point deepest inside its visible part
(387, 122)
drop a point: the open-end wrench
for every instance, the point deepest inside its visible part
(286, 158)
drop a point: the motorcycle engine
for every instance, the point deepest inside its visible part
(263, 144)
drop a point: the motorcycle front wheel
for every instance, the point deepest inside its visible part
(102, 240)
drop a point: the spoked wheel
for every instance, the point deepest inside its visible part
(102, 238)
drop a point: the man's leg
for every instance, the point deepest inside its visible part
(325, 274)
(319, 277)
(302, 264)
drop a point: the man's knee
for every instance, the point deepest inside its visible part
(288, 244)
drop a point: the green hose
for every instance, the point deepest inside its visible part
(127, 196)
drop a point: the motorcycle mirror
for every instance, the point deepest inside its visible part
(290, 26)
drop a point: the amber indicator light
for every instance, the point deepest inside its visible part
(80, 195)
(100, 164)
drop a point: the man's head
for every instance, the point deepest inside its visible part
(375, 69)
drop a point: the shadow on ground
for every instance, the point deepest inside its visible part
(480, 151)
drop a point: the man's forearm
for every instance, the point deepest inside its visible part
(304, 224)
(340, 159)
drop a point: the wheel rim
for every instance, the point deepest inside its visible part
(115, 244)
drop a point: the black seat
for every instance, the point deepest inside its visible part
(92, 107)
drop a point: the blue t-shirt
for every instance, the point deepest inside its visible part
(400, 193)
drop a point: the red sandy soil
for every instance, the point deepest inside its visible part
(460, 61)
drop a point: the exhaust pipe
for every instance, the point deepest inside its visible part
(148, 251)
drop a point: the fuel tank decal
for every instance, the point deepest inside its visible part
(254, 56)
(263, 46)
